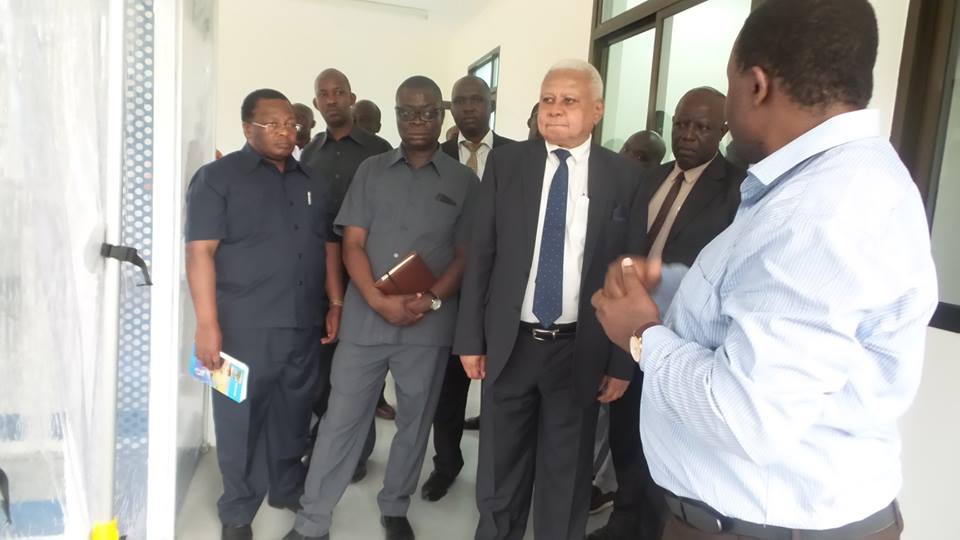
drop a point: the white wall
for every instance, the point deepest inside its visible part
(285, 46)
(532, 35)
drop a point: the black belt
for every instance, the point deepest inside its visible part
(555, 332)
(703, 518)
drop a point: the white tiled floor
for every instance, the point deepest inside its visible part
(357, 517)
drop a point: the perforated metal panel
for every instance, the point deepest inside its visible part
(133, 383)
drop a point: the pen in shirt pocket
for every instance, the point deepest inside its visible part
(309, 199)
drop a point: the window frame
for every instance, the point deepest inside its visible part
(924, 91)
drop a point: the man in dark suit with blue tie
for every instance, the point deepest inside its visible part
(549, 216)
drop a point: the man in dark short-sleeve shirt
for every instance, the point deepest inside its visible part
(335, 154)
(256, 231)
(410, 199)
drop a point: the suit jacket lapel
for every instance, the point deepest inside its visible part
(708, 186)
(599, 207)
(532, 183)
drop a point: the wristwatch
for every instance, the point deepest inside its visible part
(636, 341)
(436, 302)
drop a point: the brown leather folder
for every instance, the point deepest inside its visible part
(409, 276)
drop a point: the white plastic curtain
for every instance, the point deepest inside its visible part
(53, 101)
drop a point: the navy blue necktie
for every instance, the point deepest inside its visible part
(548, 293)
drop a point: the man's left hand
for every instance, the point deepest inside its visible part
(333, 324)
(612, 389)
(621, 317)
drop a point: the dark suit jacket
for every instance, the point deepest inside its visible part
(452, 148)
(504, 213)
(707, 211)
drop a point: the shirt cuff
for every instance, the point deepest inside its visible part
(656, 342)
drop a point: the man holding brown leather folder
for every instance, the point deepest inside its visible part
(403, 225)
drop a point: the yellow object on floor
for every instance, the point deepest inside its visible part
(105, 531)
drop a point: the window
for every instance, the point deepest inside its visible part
(488, 69)
(926, 133)
(650, 53)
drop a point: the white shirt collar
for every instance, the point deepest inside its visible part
(579, 154)
(840, 129)
(487, 139)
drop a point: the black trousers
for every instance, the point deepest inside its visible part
(260, 441)
(638, 508)
(448, 420)
(536, 441)
(323, 396)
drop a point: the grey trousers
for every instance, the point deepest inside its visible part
(260, 441)
(356, 380)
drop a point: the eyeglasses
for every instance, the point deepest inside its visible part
(406, 114)
(276, 127)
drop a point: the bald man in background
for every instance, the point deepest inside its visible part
(366, 114)
(645, 147)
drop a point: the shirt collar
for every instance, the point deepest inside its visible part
(692, 175)
(356, 133)
(398, 154)
(487, 139)
(252, 158)
(579, 154)
(840, 129)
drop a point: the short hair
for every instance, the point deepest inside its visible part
(483, 84)
(585, 68)
(823, 51)
(250, 102)
(421, 82)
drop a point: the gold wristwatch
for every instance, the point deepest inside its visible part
(636, 341)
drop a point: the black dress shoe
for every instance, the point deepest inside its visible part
(397, 527)
(293, 507)
(294, 535)
(436, 486)
(472, 423)
(236, 532)
(359, 473)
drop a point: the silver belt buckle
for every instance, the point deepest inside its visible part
(540, 334)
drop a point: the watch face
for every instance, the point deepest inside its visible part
(435, 304)
(636, 348)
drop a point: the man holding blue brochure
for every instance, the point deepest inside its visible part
(256, 240)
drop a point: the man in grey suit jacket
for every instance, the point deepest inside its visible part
(549, 217)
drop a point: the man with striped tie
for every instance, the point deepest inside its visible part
(471, 106)
(548, 218)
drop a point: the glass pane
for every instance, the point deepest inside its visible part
(485, 72)
(627, 94)
(946, 216)
(495, 69)
(696, 47)
(612, 8)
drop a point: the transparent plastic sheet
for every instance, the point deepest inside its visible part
(53, 66)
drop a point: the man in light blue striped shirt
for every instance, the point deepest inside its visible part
(773, 385)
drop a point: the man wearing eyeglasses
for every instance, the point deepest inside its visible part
(409, 200)
(255, 231)
(335, 154)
